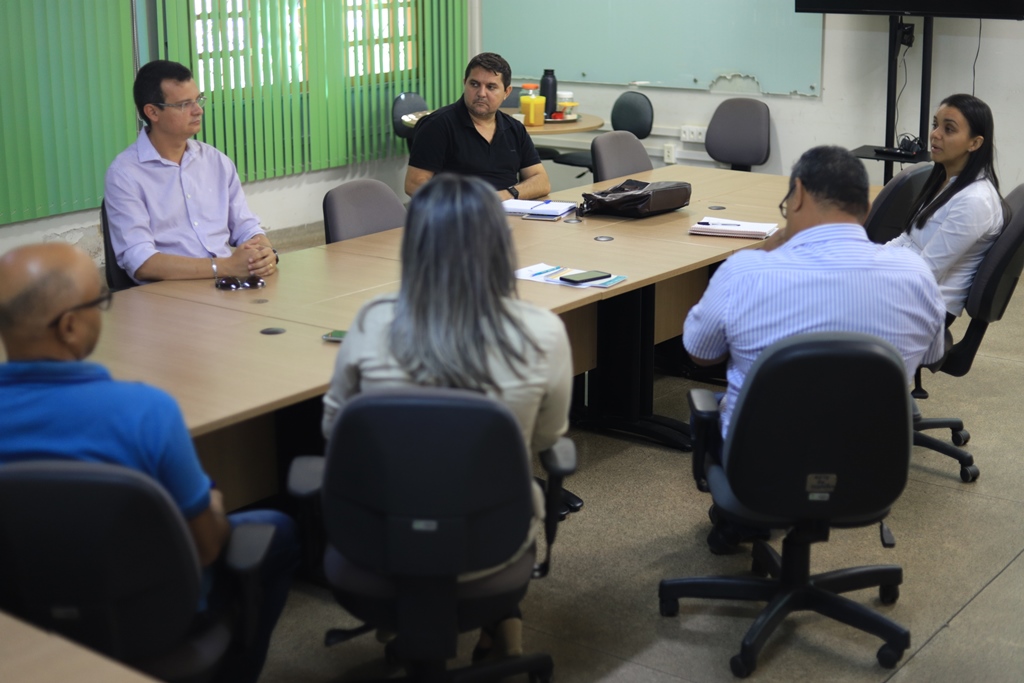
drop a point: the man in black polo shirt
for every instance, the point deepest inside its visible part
(472, 137)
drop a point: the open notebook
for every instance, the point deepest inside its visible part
(533, 207)
(723, 227)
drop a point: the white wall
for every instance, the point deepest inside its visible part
(850, 112)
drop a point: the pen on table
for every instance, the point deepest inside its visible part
(706, 223)
(546, 201)
(545, 271)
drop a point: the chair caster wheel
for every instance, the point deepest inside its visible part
(668, 607)
(740, 667)
(969, 473)
(889, 655)
(888, 594)
(960, 438)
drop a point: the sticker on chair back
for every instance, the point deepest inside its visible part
(820, 486)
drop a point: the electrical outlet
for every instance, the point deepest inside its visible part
(669, 153)
(693, 133)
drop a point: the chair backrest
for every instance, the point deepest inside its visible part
(361, 207)
(891, 209)
(993, 285)
(406, 103)
(513, 98)
(426, 482)
(618, 153)
(998, 273)
(800, 449)
(632, 111)
(739, 133)
(117, 278)
(99, 553)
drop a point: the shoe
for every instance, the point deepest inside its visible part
(506, 640)
(725, 537)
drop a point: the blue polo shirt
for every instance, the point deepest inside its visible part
(447, 141)
(76, 411)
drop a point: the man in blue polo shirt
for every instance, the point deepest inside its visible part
(56, 405)
(473, 137)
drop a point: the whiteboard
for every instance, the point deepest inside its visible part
(666, 43)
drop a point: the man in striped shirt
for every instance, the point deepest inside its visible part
(820, 274)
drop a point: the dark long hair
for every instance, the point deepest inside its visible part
(980, 161)
(458, 271)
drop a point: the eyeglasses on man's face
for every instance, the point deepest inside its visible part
(101, 302)
(783, 209)
(185, 106)
(232, 283)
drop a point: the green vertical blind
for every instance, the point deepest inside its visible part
(301, 85)
(292, 85)
(65, 102)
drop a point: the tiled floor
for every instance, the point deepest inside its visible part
(597, 613)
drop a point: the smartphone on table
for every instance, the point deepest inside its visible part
(588, 276)
(335, 335)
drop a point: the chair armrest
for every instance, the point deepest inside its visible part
(306, 476)
(560, 459)
(244, 556)
(247, 547)
(706, 433)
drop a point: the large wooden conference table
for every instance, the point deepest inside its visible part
(238, 361)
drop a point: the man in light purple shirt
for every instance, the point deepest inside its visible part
(820, 274)
(174, 205)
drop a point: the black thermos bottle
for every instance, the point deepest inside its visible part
(549, 91)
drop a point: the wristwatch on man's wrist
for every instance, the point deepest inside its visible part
(511, 189)
(276, 255)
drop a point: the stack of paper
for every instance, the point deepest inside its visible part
(724, 227)
(531, 208)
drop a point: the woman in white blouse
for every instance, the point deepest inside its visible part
(456, 321)
(959, 213)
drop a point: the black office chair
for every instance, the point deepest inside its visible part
(420, 486)
(406, 103)
(361, 207)
(618, 153)
(739, 133)
(101, 554)
(512, 102)
(987, 300)
(891, 209)
(117, 277)
(781, 467)
(632, 111)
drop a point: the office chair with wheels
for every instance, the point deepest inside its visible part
(117, 277)
(100, 554)
(421, 486)
(618, 153)
(739, 133)
(632, 111)
(891, 209)
(361, 207)
(781, 467)
(406, 103)
(990, 293)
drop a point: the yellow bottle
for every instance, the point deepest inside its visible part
(531, 105)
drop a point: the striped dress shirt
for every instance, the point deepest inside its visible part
(826, 278)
